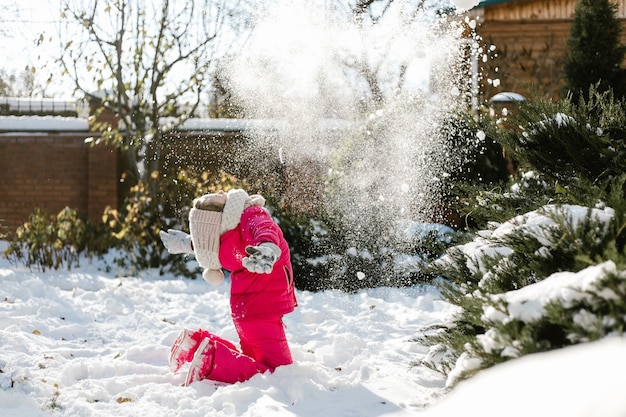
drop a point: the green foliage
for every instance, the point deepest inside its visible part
(307, 238)
(594, 50)
(477, 163)
(49, 242)
(130, 233)
(160, 203)
(570, 160)
(133, 230)
(482, 286)
(480, 156)
(568, 144)
(563, 154)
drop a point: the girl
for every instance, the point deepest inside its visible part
(235, 232)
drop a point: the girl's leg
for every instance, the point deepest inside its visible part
(264, 347)
(186, 345)
(230, 365)
(265, 341)
(218, 360)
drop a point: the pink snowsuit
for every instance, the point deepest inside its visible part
(258, 302)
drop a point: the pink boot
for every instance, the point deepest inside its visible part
(202, 363)
(185, 347)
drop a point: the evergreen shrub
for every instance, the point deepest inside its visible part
(594, 51)
(569, 143)
(476, 162)
(550, 242)
(563, 153)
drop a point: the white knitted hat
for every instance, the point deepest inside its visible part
(235, 203)
(207, 227)
(205, 235)
(237, 200)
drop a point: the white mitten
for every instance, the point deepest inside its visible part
(176, 241)
(261, 259)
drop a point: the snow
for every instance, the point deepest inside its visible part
(240, 125)
(32, 123)
(506, 97)
(582, 380)
(463, 5)
(43, 123)
(528, 303)
(85, 343)
(537, 224)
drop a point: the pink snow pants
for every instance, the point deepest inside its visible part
(263, 347)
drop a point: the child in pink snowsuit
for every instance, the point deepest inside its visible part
(235, 232)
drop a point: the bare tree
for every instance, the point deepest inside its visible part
(147, 63)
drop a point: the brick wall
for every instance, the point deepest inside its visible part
(51, 171)
(54, 170)
(297, 183)
(103, 179)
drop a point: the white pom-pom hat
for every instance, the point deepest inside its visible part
(207, 226)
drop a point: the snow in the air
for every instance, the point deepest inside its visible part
(87, 343)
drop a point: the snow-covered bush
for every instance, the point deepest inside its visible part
(547, 267)
(508, 283)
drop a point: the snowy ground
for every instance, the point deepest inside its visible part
(84, 343)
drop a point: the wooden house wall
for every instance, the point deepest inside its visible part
(530, 38)
(540, 9)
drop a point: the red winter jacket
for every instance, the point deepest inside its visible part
(255, 296)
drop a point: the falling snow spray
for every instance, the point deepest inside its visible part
(365, 100)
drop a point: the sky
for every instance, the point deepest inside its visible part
(22, 23)
(29, 39)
